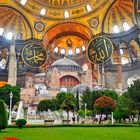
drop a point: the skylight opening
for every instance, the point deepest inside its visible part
(56, 50)
(70, 52)
(23, 2)
(42, 11)
(9, 36)
(88, 7)
(1, 31)
(124, 61)
(116, 29)
(66, 14)
(85, 67)
(83, 48)
(2, 64)
(121, 51)
(63, 51)
(19, 36)
(77, 50)
(126, 26)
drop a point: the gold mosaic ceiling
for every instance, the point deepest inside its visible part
(103, 16)
(121, 11)
(55, 8)
(15, 22)
(61, 3)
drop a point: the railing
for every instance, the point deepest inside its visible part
(130, 66)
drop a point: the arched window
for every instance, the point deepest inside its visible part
(126, 26)
(121, 51)
(3, 58)
(9, 36)
(66, 14)
(23, 2)
(62, 51)
(43, 11)
(77, 50)
(70, 52)
(85, 67)
(19, 36)
(83, 48)
(116, 29)
(88, 7)
(56, 50)
(124, 60)
(1, 31)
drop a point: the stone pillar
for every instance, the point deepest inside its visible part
(130, 52)
(103, 75)
(119, 88)
(12, 69)
(99, 76)
(138, 39)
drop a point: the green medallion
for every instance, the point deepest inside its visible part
(34, 55)
(100, 50)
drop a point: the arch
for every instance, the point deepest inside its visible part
(132, 78)
(67, 28)
(69, 81)
(74, 74)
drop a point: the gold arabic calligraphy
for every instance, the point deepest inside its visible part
(99, 50)
(34, 55)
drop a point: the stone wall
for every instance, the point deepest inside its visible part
(111, 78)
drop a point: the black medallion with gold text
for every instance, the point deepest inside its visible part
(100, 50)
(34, 55)
(137, 11)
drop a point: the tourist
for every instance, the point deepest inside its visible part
(73, 119)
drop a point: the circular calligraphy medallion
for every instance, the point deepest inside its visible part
(100, 50)
(34, 55)
(137, 11)
(39, 26)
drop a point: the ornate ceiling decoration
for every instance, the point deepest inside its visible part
(69, 42)
(13, 21)
(121, 11)
(61, 3)
(55, 9)
(69, 38)
(66, 29)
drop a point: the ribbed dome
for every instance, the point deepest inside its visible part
(64, 62)
(14, 21)
(120, 12)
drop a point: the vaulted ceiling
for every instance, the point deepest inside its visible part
(24, 16)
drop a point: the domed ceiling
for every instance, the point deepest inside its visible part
(99, 15)
(15, 22)
(121, 11)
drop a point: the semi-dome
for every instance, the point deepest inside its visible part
(65, 62)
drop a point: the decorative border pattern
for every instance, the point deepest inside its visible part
(57, 13)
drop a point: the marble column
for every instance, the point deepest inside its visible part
(130, 51)
(99, 76)
(12, 69)
(119, 70)
(103, 75)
